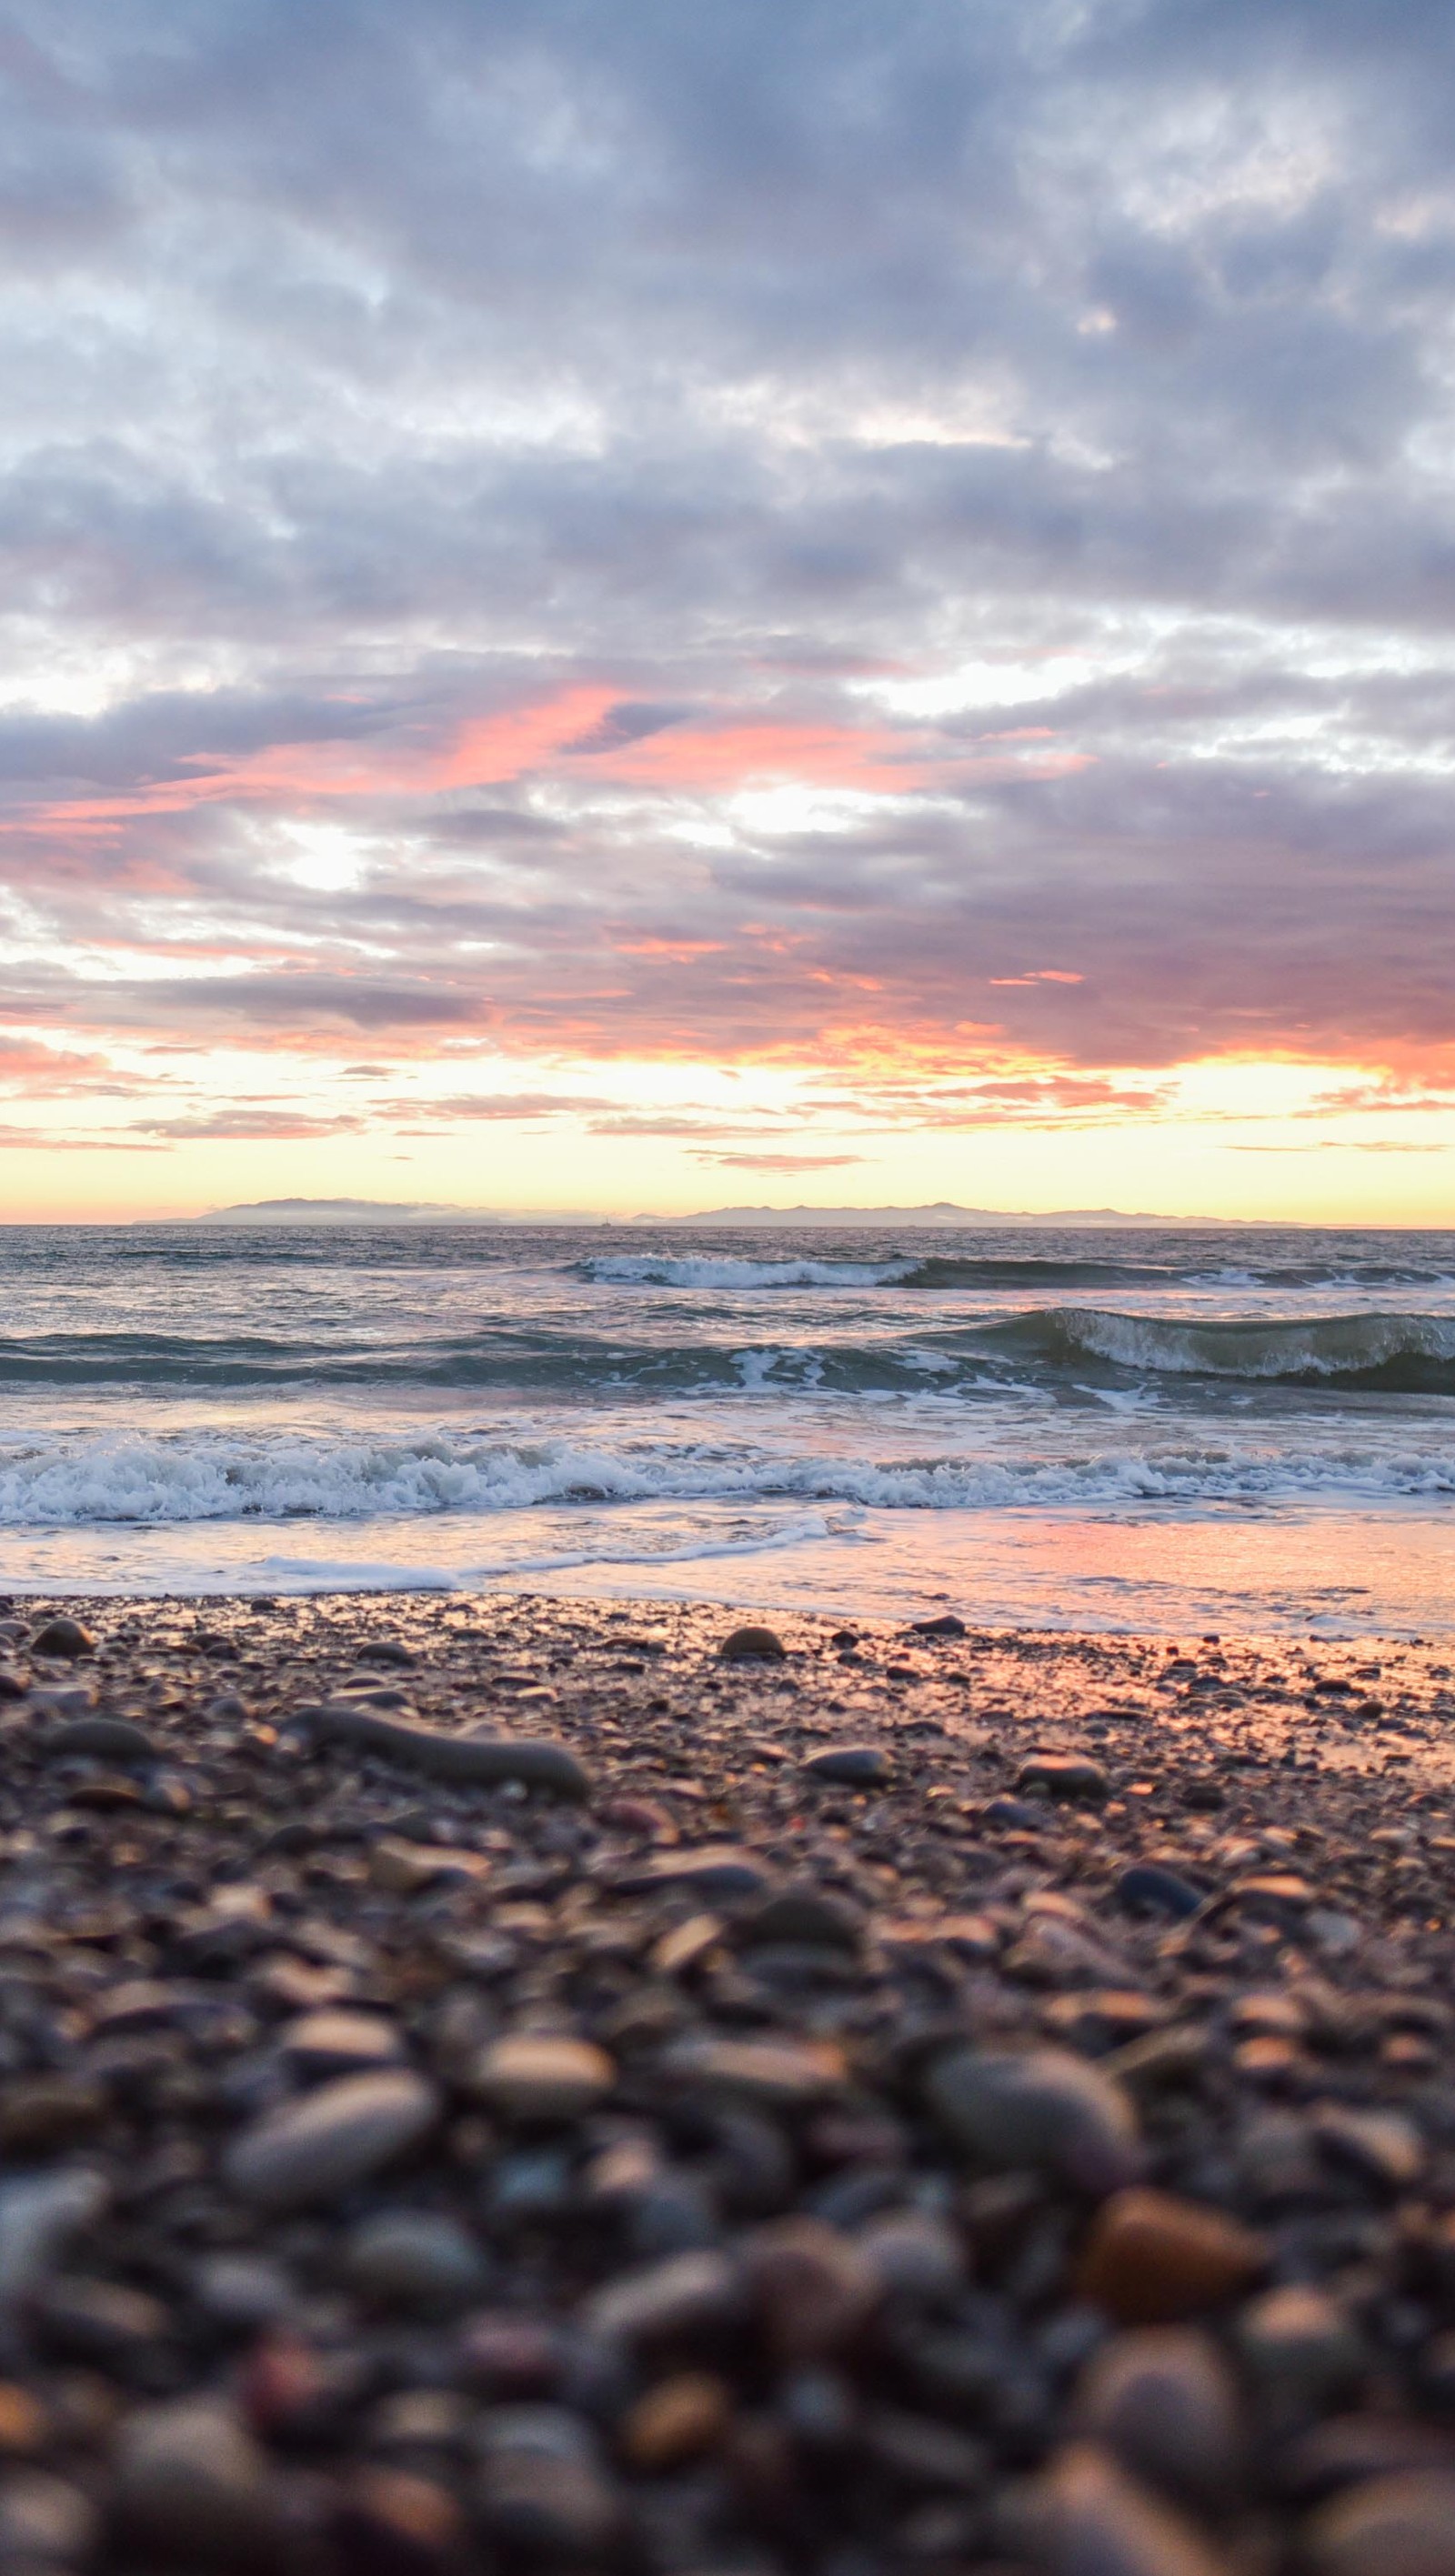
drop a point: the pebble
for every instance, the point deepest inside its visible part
(716, 1870)
(1041, 2107)
(1300, 2348)
(775, 2074)
(851, 1766)
(334, 2042)
(392, 2522)
(109, 1739)
(1152, 2258)
(753, 1645)
(535, 2076)
(45, 2523)
(675, 2422)
(485, 1760)
(945, 1625)
(1163, 2399)
(1382, 2145)
(193, 2486)
(414, 2258)
(804, 1913)
(320, 2146)
(813, 2287)
(40, 2216)
(542, 2492)
(778, 2154)
(1094, 2520)
(1062, 1775)
(1149, 1888)
(659, 2301)
(404, 1867)
(1393, 2526)
(65, 1638)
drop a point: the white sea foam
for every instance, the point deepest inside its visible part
(200, 1476)
(654, 1270)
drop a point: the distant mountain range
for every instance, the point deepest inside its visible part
(941, 1212)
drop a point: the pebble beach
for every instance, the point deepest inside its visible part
(507, 2082)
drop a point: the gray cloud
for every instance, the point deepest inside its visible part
(377, 378)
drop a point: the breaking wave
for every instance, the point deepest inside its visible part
(202, 1475)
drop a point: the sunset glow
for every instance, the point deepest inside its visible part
(631, 626)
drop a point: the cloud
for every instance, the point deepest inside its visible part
(922, 550)
(780, 1162)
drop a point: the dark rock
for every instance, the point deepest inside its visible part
(753, 1645)
(1165, 2402)
(64, 1638)
(1038, 2107)
(392, 2522)
(193, 2486)
(946, 1625)
(1094, 2520)
(1063, 1775)
(320, 2146)
(1149, 1888)
(804, 1913)
(414, 2258)
(107, 1739)
(533, 2076)
(1394, 2526)
(484, 1760)
(46, 2524)
(712, 1870)
(849, 1766)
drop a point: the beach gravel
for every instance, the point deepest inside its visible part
(507, 2085)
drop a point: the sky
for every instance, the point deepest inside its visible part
(616, 606)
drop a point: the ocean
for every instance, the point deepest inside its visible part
(1229, 1431)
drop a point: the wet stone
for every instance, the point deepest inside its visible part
(46, 2523)
(482, 1760)
(1164, 2401)
(393, 2522)
(716, 1872)
(813, 2287)
(850, 1766)
(537, 2076)
(192, 2485)
(773, 2074)
(1149, 1888)
(1039, 2107)
(542, 2490)
(320, 2146)
(804, 1913)
(107, 1739)
(337, 2042)
(415, 2258)
(1062, 1775)
(1300, 2348)
(65, 1638)
(675, 2422)
(1152, 2258)
(1383, 2146)
(1392, 2526)
(1094, 2520)
(753, 1645)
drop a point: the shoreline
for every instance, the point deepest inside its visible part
(774, 2119)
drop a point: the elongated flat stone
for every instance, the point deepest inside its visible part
(717, 1870)
(321, 2145)
(536, 1760)
(107, 1739)
(850, 1766)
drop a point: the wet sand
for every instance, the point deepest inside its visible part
(909, 2101)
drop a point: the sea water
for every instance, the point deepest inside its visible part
(1094, 1428)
